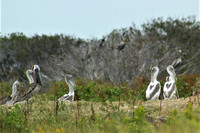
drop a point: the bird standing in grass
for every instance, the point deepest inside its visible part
(35, 81)
(70, 96)
(9, 100)
(170, 90)
(154, 89)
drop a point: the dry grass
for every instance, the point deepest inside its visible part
(168, 105)
(41, 112)
(153, 107)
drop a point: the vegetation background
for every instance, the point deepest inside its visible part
(111, 83)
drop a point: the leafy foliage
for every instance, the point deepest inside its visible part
(99, 91)
(13, 120)
(185, 85)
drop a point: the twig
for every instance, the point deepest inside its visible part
(77, 114)
(57, 106)
(26, 111)
(93, 113)
(160, 106)
(119, 104)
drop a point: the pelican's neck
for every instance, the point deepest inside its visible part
(71, 87)
(14, 90)
(154, 76)
(30, 76)
(172, 75)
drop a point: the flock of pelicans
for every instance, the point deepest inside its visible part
(36, 84)
(153, 91)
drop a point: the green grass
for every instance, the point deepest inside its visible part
(104, 107)
(42, 115)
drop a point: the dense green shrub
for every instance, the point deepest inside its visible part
(185, 85)
(89, 90)
(13, 119)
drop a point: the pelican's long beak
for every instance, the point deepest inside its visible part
(38, 77)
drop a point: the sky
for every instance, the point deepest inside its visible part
(87, 19)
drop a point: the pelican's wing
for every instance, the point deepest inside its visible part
(172, 89)
(156, 88)
(121, 45)
(66, 97)
(177, 62)
(148, 91)
(3, 100)
(63, 97)
(25, 96)
(69, 98)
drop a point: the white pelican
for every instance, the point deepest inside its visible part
(170, 90)
(35, 81)
(8, 100)
(70, 96)
(154, 88)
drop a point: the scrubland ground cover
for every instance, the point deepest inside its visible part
(105, 107)
(105, 103)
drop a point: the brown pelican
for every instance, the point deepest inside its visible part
(170, 90)
(70, 96)
(8, 100)
(122, 43)
(154, 89)
(35, 81)
(101, 43)
(178, 61)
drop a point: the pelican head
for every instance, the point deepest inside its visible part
(154, 73)
(170, 70)
(69, 79)
(36, 69)
(16, 84)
